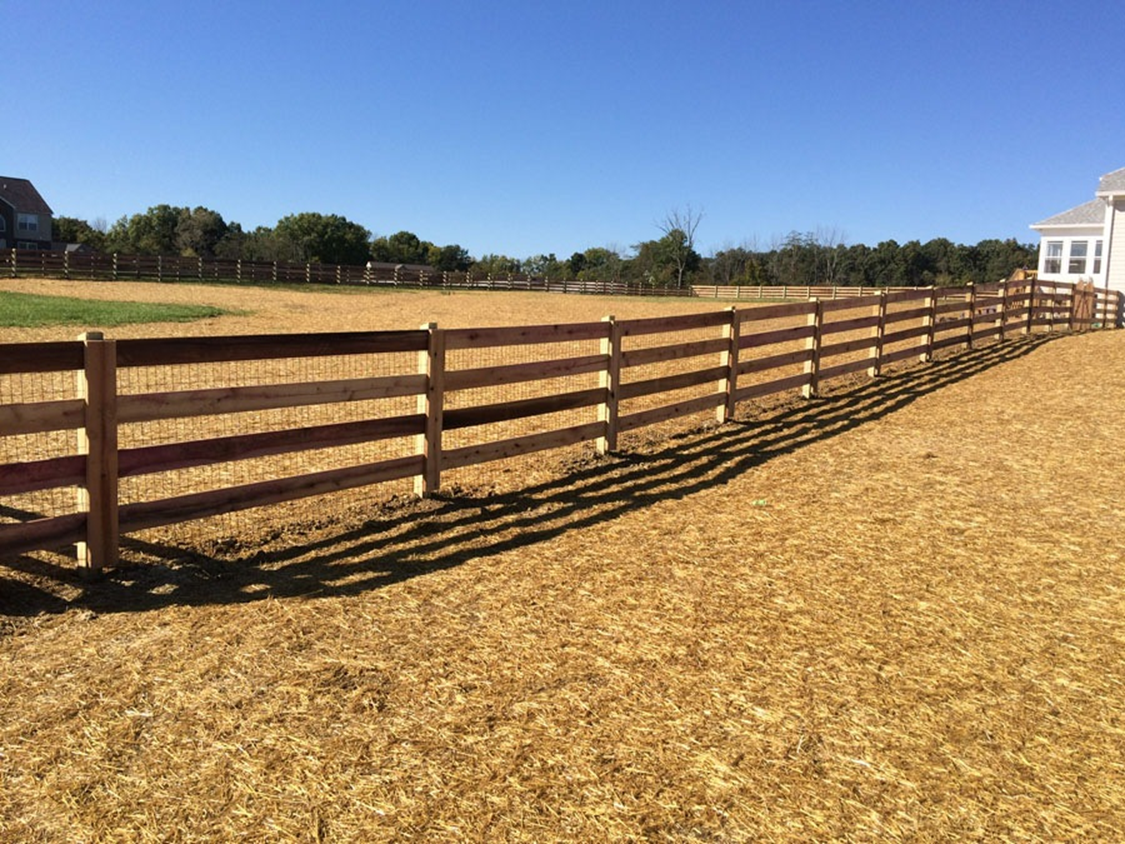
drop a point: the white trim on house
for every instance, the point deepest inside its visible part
(1080, 244)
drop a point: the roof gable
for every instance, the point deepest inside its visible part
(1112, 183)
(22, 195)
(1091, 213)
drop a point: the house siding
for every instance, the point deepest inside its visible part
(7, 235)
(1115, 272)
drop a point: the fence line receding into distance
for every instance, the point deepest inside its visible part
(106, 426)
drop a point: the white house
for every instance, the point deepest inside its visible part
(1087, 243)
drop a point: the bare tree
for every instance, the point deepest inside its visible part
(829, 242)
(679, 228)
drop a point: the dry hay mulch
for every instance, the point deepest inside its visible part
(894, 612)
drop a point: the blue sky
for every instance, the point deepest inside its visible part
(524, 127)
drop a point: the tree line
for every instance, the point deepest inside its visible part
(671, 260)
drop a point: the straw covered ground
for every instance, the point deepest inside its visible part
(895, 612)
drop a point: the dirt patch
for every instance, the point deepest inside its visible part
(894, 612)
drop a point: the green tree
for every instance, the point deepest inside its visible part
(199, 231)
(598, 263)
(322, 238)
(496, 265)
(545, 266)
(150, 233)
(401, 248)
(450, 258)
(677, 247)
(74, 230)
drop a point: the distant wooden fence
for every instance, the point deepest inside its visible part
(744, 354)
(788, 291)
(162, 268)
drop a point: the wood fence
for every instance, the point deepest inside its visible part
(726, 357)
(763, 292)
(115, 267)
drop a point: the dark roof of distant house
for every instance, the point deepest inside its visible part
(1091, 213)
(1112, 182)
(22, 195)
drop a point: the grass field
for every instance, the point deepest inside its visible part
(895, 612)
(29, 310)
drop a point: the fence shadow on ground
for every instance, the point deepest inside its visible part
(408, 540)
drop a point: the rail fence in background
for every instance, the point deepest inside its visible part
(170, 268)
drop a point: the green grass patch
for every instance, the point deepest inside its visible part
(30, 310)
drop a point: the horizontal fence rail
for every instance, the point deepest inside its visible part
(171, 268)
(448, 398)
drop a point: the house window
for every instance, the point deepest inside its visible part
(1077, 264)
(1053, 263)
(1097, 257)
(26, 244)
(27, 222)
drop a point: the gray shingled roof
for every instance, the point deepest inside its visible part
(1091, 213)
(1113, 182)
(22, 195)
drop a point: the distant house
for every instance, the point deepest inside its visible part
(25, 219)
(1087, 243)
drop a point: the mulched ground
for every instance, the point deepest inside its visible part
(895, 612)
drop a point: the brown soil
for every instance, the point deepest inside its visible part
(891, 613)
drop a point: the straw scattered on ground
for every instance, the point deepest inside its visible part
(892, 613)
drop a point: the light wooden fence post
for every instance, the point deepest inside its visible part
(431, 363)
(97, 440)
(929, 321)
(812, 365)
(971, 304)
(609, 379)
(728, 359)
(1003, 308)
(880, 330)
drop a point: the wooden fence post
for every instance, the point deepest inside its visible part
(609, 379)
(929, 320)
(876, 354)
(971, 302)
(97, 440)
(1030, 324)
(1003, 308)
(431, 363)
(812, 365)
(728, 359)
